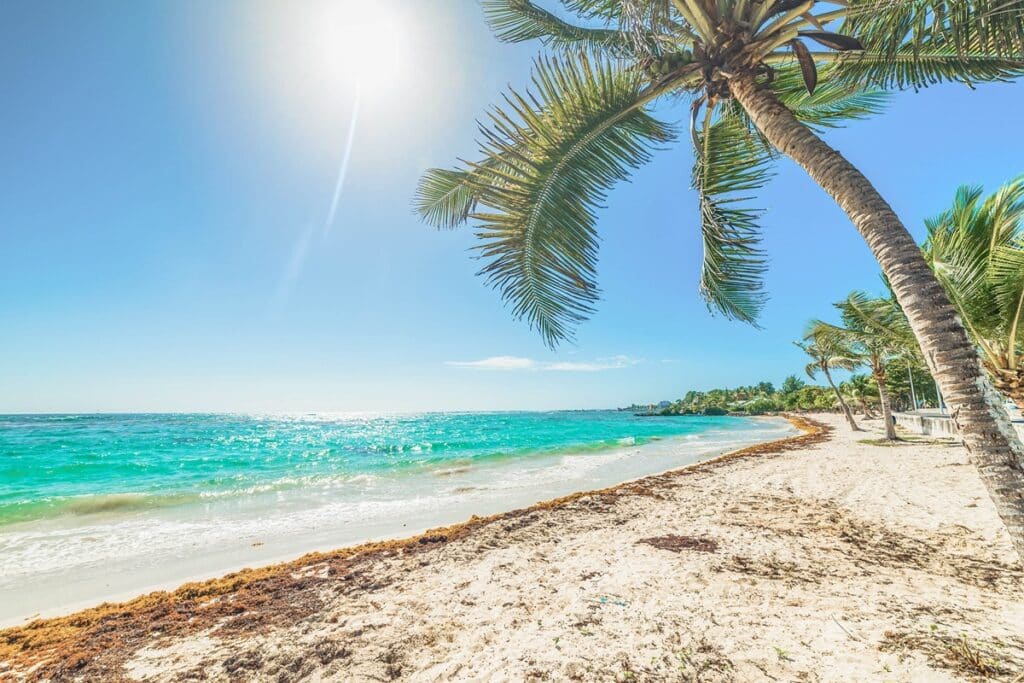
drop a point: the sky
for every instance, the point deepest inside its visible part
(173, 237)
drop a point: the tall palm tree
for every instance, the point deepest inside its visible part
(828, 353)
(550, 154)
(976, 249)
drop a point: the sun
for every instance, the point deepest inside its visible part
(355, 44)
(308, 69)
(329, 49)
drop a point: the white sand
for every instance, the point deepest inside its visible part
(840, 562)
(59, 566)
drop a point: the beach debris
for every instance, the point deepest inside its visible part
(974, 657)
(770, 567)
(609, 600)
(436, 538)
(846, 630)
(676, 543)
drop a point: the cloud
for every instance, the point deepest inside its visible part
(496, 363)
(516, 363)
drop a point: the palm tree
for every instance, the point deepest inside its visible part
(976, 249)
(858, 390)
(756, 90)
(875, 332)
(827, 353)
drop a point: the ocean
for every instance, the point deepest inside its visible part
(156, 499)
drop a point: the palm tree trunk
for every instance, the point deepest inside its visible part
(976, 409)
(842, 403)
(883, 397)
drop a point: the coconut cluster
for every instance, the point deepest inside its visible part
(665, 64)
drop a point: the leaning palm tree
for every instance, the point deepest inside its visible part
(755, 90)
(976, 249)
(829, 352)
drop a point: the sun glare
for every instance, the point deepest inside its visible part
(313, 57)
(310, 69)
(353, 45)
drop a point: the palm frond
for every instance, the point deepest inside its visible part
(1007, 275)
(993, 27)
(549, 161)
(1005, 210)
(833, 102)
(640, 18)
(976, 250)
(730, 163)
(877, 323)
(916, 68)
(917, 43)
(516, 21)
(857, 347)
(607, 10)
(444, 198)
(823, 343)
(958, 249)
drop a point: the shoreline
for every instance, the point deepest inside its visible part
(823, 556)
(59, 567)
(35, 639)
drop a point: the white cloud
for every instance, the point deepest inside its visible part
(517, 363)
(496, 363)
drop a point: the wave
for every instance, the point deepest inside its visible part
(126, 502)
(91, 504)
(463, 464)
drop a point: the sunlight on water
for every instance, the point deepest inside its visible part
(59, 465)
(162, 498)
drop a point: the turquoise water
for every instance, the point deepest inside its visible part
(59, 465)
(101, 507)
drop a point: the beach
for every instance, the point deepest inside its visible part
(117, 506)
(820, 557)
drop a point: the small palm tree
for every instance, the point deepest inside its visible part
(755, 90)
(828, 352)
(875, 332)
(857, 389)
(976, 249)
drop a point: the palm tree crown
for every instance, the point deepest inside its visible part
(976, 249)
(550, 153)
(827, 350)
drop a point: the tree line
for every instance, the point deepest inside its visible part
(976, 249)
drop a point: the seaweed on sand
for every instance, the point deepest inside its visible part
(94, 644)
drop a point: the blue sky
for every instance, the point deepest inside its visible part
(166, 179)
